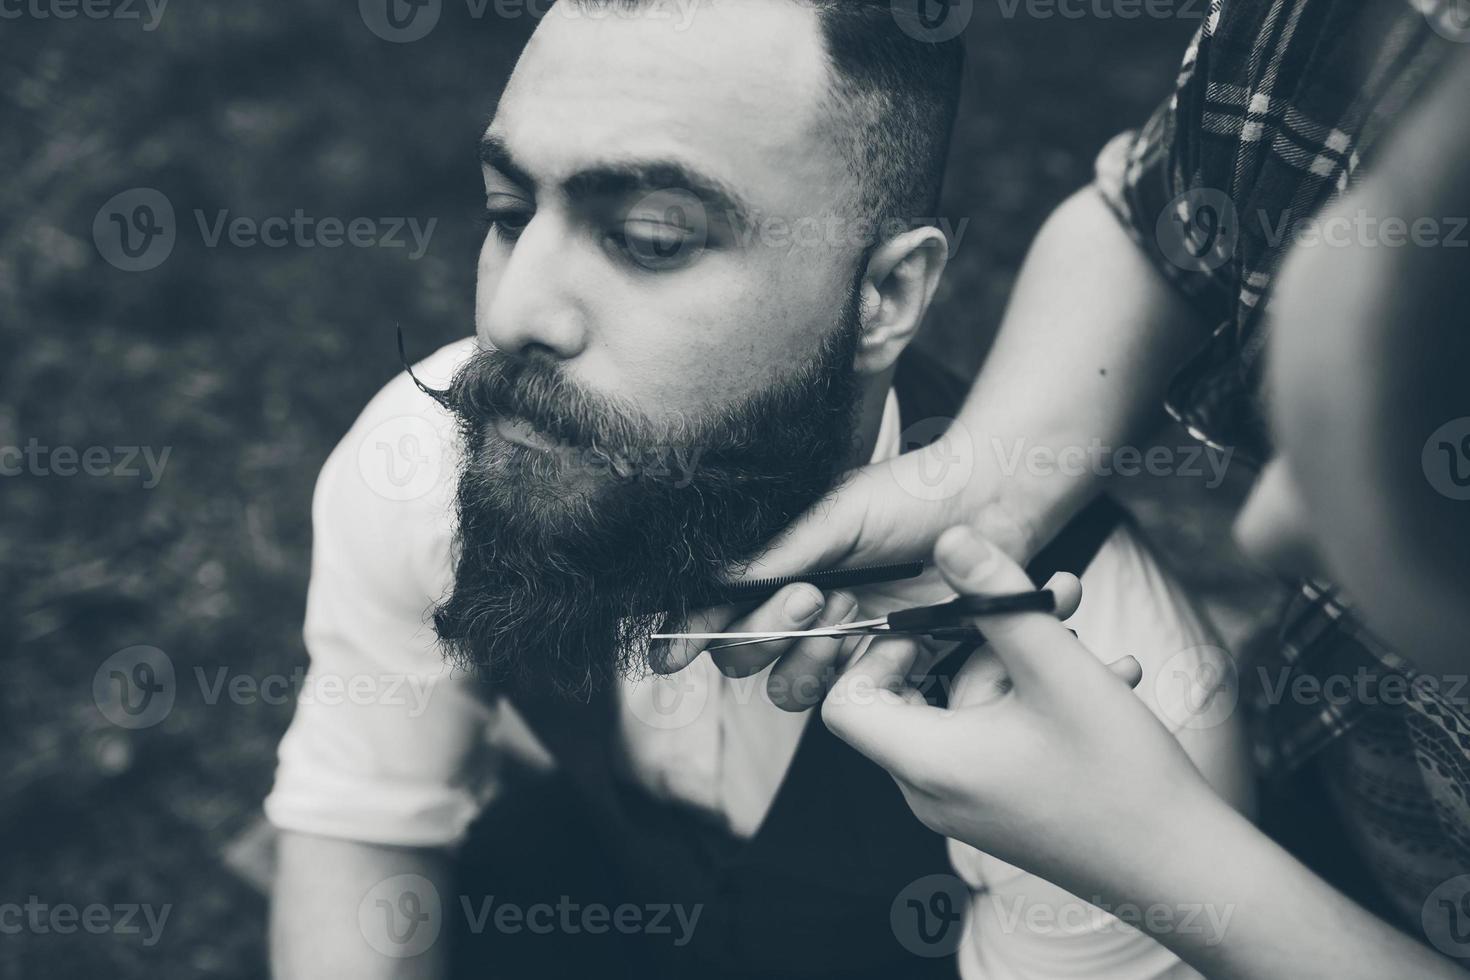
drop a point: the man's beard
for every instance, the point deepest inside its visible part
(568, 560)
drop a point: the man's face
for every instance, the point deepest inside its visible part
(642, 171)
(665, 382)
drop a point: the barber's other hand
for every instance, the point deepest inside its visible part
(1060, 770)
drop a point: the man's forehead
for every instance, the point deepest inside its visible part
(736, 92)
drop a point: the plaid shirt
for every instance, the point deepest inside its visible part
(1278, 109)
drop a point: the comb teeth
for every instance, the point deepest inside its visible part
(837, 578)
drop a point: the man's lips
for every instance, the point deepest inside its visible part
(523, 433)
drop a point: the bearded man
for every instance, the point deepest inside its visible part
(706, 258)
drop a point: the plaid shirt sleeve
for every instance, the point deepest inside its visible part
(1277, 106)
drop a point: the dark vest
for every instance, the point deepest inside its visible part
(811, 894)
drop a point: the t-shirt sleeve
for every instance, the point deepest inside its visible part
(388, 742)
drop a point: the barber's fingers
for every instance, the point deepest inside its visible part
(1068, 590)
(1128, 670)
(672, 656)
(875, 709)
(796, 607)
(802, 677)
(1034, 646)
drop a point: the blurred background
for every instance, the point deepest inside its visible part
(200, 392)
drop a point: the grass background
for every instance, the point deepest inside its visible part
(248, 365)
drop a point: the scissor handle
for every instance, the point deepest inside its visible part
(955, 612)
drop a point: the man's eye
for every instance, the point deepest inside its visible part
(658, 246)
(508, 224)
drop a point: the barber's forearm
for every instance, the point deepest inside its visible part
(1261, 913)
(316, 932)
(1084, 356)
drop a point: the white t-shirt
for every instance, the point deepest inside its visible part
(390, 746)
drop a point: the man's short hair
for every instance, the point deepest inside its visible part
(894, 100)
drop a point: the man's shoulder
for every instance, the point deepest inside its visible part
(384, 498)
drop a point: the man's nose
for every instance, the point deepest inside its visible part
(529, 296)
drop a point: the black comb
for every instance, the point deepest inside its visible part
(834, 578)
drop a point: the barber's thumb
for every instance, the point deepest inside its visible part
(974, 566)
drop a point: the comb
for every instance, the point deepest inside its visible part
(835, 578)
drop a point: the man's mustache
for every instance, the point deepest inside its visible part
(494, 385)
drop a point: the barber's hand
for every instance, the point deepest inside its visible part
(1045, 758)
(871, 519)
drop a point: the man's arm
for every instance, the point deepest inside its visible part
(385, 763)
(327, 920)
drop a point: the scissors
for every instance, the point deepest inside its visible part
(944, 621)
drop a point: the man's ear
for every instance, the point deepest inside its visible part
(898, 286)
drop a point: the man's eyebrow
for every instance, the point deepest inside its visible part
(495, 153)
(622, 179)
(650, 177)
